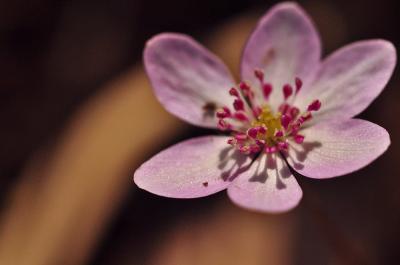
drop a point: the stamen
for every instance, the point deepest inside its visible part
(285, 120)
(259, 74)
(314, 106)
(295, 128)
(241, 116)
(287, 91)
(284, 108)
(262, 130)
(244, 149)
(257, 111)
(244, 87)
(260, 142)
(294, 112)
(270, 149)
(279, 134)
(252, 132)
(238, 104)
(299, 138)
(224, 113)
(267, 89)
(233, 92)
(305, 117)
(283, 145)
(223, 125)
(299, 84)
(241, 136)
(247, 92)
(232, 141)
(255, 148)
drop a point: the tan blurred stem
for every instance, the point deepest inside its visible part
(66, 196)
(228, 235)
(68, 192)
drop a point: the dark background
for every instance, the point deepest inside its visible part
(55, 55)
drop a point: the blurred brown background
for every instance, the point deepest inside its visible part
(78, 117)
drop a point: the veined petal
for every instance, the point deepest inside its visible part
(187, 79)
(194, 168)
(285, 45)
(268, 186)
(333, 149)
(350, 79)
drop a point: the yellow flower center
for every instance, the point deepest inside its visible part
(271, 122)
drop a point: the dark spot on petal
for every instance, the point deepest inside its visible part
(269, 57)
(205, 184)
(209, 109)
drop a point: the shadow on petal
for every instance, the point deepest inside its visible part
(233, 163)
(267, 186)
(301, 152)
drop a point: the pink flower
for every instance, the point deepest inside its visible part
(291, 110)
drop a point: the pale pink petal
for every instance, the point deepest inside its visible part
(350, 79)
(187, 79)
(333, 149)
(194, 168)
(285, 44)
(268, 186)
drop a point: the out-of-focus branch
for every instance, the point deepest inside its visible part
(66, 197)
(228, 235)
(68, 192)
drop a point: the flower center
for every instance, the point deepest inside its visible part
(255, 127)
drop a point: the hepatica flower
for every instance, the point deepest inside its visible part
(291, 110)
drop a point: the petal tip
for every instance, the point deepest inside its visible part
(388, 44)
(159, 39)
(266, 189)
(386, 139)
(384, 44)
(326, 164)
(288, 23)
(189, 169)
(164, 36)
(391, 48)
(271, 210)
(136, 179)
(289, 6)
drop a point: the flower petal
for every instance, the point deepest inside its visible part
(268, 186)
(194, 168)
(187, 79)
(350, 79)
(336, 148)
(285, 44)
